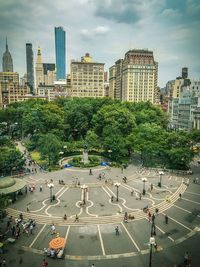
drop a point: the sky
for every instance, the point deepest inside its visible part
(106, 29)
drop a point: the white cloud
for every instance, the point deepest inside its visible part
(98, 31)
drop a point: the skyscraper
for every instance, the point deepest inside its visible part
(29, 66)
(7, 60)
(60, 53)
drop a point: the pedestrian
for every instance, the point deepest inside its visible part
(3, 262)
(122, 169)
(186, 257)
(28, 208)
(149, 215)
(166, 219)
(65, 217)
(13, 231)
(156, 210)
(197, 180)
(31, 229)
(151, 187)
(40, 188)
(111, 198)
(8, 224)
(153, 217)
(45, 263)
(140, 196)
(76, 218)
(92, 265)
(117, 230)
(53, 229)
(132, 192)
(180, 196)
(90, 172)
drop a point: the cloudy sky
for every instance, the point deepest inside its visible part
(106, 29)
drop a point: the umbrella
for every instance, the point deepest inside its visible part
(57, 243)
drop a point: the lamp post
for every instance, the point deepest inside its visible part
(160, 177)
(152, 241)
(117, 186)
(144, 180)
(84, 190)
(51, 186)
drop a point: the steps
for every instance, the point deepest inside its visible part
(113, 219)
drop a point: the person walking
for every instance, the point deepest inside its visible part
(180, 196)
(117, 230)
(31, 229)
(53, 229)
(153, 217)
(45, 263)
(166, 219)
(76, 218)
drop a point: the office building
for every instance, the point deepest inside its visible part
(29, 66)
(135, 77)
(112, 81)
(60, 53)
(7, 62)
(45, 72)
(87, 78)
(39, 69)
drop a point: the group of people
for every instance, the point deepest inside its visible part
(17, 226)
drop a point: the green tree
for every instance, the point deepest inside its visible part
(49, 145)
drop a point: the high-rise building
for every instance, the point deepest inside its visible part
(112, 81)
(136, 76)
(87, 78)
(39, 69)
(60, 53)
(29, 66)
(7, 60)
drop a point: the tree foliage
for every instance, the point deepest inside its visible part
(123, 128)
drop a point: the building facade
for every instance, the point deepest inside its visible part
(87, 78)
(39, 72)
(7, 62)
(112, 81)
(29, 66)
(45, 72)
(60, 53)
(135, 76)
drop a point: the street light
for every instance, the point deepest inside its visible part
(117, 186)
(160, 176)
(152, 241)
(51, 186)
(84, 190)
(144, 180)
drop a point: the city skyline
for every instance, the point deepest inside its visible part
(106, 29)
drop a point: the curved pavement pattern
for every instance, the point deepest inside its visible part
(93, 237)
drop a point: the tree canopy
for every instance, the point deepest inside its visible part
(123, 128)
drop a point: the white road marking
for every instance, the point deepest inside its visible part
(101, 240)
(192, 193)
(37, 236)
(190, 200)
(184, 210)
(67, 233)
(163, 232)
(179, 223)
(134, 243)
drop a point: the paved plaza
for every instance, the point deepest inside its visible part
(101, 205)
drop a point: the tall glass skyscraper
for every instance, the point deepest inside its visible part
(60, 53)
(29, 66)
